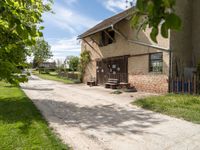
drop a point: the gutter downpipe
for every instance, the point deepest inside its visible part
(170, 65)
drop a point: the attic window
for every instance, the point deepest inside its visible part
(107, 37)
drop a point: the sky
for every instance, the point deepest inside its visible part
(73, 17)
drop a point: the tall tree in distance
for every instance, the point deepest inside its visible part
(19, 29)
(41, 52)
(72, 62)
(159, 15)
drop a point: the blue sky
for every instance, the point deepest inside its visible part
(73, 17)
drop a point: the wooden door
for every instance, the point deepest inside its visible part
(116, 68)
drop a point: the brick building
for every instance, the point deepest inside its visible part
(118, 51)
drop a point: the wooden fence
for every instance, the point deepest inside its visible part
(70, 75)
(185, 86)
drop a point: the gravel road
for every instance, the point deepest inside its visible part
(91, 118)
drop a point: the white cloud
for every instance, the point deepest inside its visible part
(70, 2)
(68, 19)
(64, 47)
(116, 5)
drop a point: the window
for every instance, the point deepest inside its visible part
(107, 37)
(156, 62)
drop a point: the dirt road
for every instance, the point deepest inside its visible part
(94, 119)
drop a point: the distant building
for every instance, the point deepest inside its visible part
(48, 65)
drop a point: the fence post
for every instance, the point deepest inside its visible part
(195, 85)
(182, 85)
(189, 84)
(176, 85)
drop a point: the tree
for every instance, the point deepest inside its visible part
(73, 62)
(41, 52)
(19, 29)
(156, 13)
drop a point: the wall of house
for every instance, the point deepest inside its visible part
(139, 76)
(196, 31)
(181, 41)
(185, 43)
(138, 66)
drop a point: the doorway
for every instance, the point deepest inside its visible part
(115, 67)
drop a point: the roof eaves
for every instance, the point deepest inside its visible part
(84, 36)
(108, 26)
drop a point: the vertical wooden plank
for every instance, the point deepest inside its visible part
(194, 84)
(182, 85)
(177, 84)
(172, 85)
(189, 90)
(197, 84)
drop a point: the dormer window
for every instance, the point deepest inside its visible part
(107, 37)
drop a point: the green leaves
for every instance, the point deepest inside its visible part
(73, 62)
(84, 60)
(156, 13)
(173, 22)
(154, 33)
(19, 28)
(41, 51)
(165, 30)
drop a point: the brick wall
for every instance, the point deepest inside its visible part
(140, 77)
(149, 83)
(90, 72)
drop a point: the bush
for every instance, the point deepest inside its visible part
(84, 60)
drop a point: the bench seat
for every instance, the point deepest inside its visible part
(112, 83)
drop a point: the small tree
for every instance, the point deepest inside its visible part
(73, 62)
(59, 65)
(84, 60)
(41, 52)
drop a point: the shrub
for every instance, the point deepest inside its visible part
(84, 60)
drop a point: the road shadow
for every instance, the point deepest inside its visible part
(36, 88)
(113, 118)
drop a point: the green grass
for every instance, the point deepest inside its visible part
(21, 124)
(53, 76)
(186, 107)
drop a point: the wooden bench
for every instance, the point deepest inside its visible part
(124, 85)
(112, 83)
(92, 82)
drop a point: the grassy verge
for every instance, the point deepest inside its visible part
(180, 106)
(21, 124)
(53, 76)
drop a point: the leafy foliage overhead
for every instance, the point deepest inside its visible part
(19, 29)
(156, 13)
